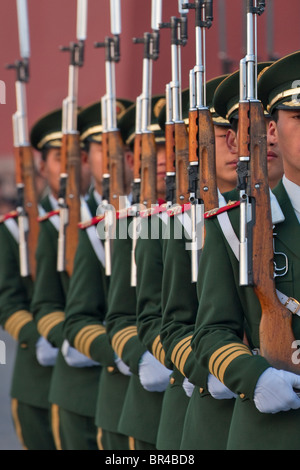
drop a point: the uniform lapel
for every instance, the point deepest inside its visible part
(288, 232)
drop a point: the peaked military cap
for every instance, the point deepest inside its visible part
(127, 120)
(47, 131)
(279, 85)
(90, 120)
(185, 97)
(227, 95)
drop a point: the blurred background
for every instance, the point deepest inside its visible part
(52, 24)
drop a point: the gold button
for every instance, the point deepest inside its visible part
(23, 345)
(172, 380)
(110, 368)
(242, 395)
(201, 389)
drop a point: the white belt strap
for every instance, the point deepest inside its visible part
(92, 233)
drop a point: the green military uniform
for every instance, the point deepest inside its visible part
(84, 325)
(72, 411)
(225, 306)
(180, 303)
(31, 380)
(141, 411)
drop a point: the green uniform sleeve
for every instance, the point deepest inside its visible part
(86, 305)
(121, 316)
(223, 306)
(180, 304)
(15, 292)
(48, 303)
(149, 261)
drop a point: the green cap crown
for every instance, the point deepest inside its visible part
(47, 131)
(127, 121)
(279, 86)
(227, 95)
(185, 97)
(90, 120)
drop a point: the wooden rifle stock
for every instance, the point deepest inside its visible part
(181, 163)
(137, 158)
(148, 170)
(25, 174)
(207, 166)
(71, 159)
(276, 335)
(170, 161)
(116, 168)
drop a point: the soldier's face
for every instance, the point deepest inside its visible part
(286, 134)
(95, 160)
(161, 170)
(51, 169)
(275, 164)
(226, 158)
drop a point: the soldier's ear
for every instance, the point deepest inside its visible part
(231, 141)
(272, 132)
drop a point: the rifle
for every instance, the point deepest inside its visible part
(113, 184)
(27, 204)
(175, 128)
(69, 195)
(145, 161)
(202, 168)
(148, 147)
(257, 258)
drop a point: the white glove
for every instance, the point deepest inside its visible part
(153, 375)
(218, 390)
(123, 368)
(74, 358)
(45, 353)
(274, 391)
(188, 387)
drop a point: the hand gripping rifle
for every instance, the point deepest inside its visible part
(113, 184)
(145, 161)
(177, 150)
(69, 196)
(202, 169)
(27, 205)
(256, 229)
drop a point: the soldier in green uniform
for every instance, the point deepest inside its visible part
(35, 356)
(84, 325)
(141, 410)
(180, 297)
(73, 408)
(266, 414)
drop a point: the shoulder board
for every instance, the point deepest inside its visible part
(9, 215)
(220, 210)
(48, 215)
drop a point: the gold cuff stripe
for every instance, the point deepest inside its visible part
(179, 348)
(120, 339)
(226, 353)
(86, 336)
(16, 321)
(158, 351)
(182, 361)
(49, 321)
